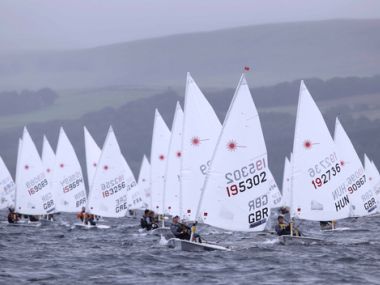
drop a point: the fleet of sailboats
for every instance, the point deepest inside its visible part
(202, 171)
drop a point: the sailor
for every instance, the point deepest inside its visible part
(285, 211)
(82, 214)
(12, 216)
(282, 228)
(327, 225)
(153, 219)
(182, 231)
(90, 219)
(33, 218)
(50, 217)
(145, 221)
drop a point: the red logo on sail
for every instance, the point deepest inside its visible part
(307, 144)
(232, 145)
(161, 157)
(195, 141)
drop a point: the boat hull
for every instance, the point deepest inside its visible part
(187, 245)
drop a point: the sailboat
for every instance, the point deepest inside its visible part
(286, 194)
(275, 196)
(373, 178)
(49, 164)
(135, 194)
(144, 183)
(69, 183)
(318, 171)
(112, 181)
(33, 194)
(201, 129)
(172, 196)
(7, 187)
(236, 191)
(92, 155)
(158, 158)
(362, 197)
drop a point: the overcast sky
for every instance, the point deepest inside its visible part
(71, 24)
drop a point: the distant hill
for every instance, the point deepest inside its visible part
(275, 52)
(133, 121)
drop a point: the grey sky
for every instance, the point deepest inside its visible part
(67, 24)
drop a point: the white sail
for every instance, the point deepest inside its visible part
(201, 129)
(275, 196)
(18, 156)
(286, 194)
(113, 179)
(373, 177)
(318, 190)
(33, 194)
(7, 187)
(49, 164)
(235, 195)
(144, 183)
(173, 166)
(92, 156)
(135, 194)
(69, 183)
(362, 197)
(158, 158)
(376, 183)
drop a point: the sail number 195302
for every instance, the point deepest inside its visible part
(246, 177)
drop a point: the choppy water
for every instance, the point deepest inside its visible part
(61, 254)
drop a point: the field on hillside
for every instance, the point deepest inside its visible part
(73, 104)
(367, 106)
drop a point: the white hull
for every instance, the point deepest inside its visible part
(187, 245)
(91, 227)
(337, 230)
(25, 224)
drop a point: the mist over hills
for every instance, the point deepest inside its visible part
(133, 121)
(275, 52)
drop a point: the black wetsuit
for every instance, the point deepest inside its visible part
(146, 223)
(90, 219)
(33, 219)
(12, 218)
(180, 231)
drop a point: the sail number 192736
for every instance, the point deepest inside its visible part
(326, 176)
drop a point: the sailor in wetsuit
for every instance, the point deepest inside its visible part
(145, 221)
(182, 231)
(90, 219)
(82, 214)
(283, 229)
(327, 225)
(13, 217)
